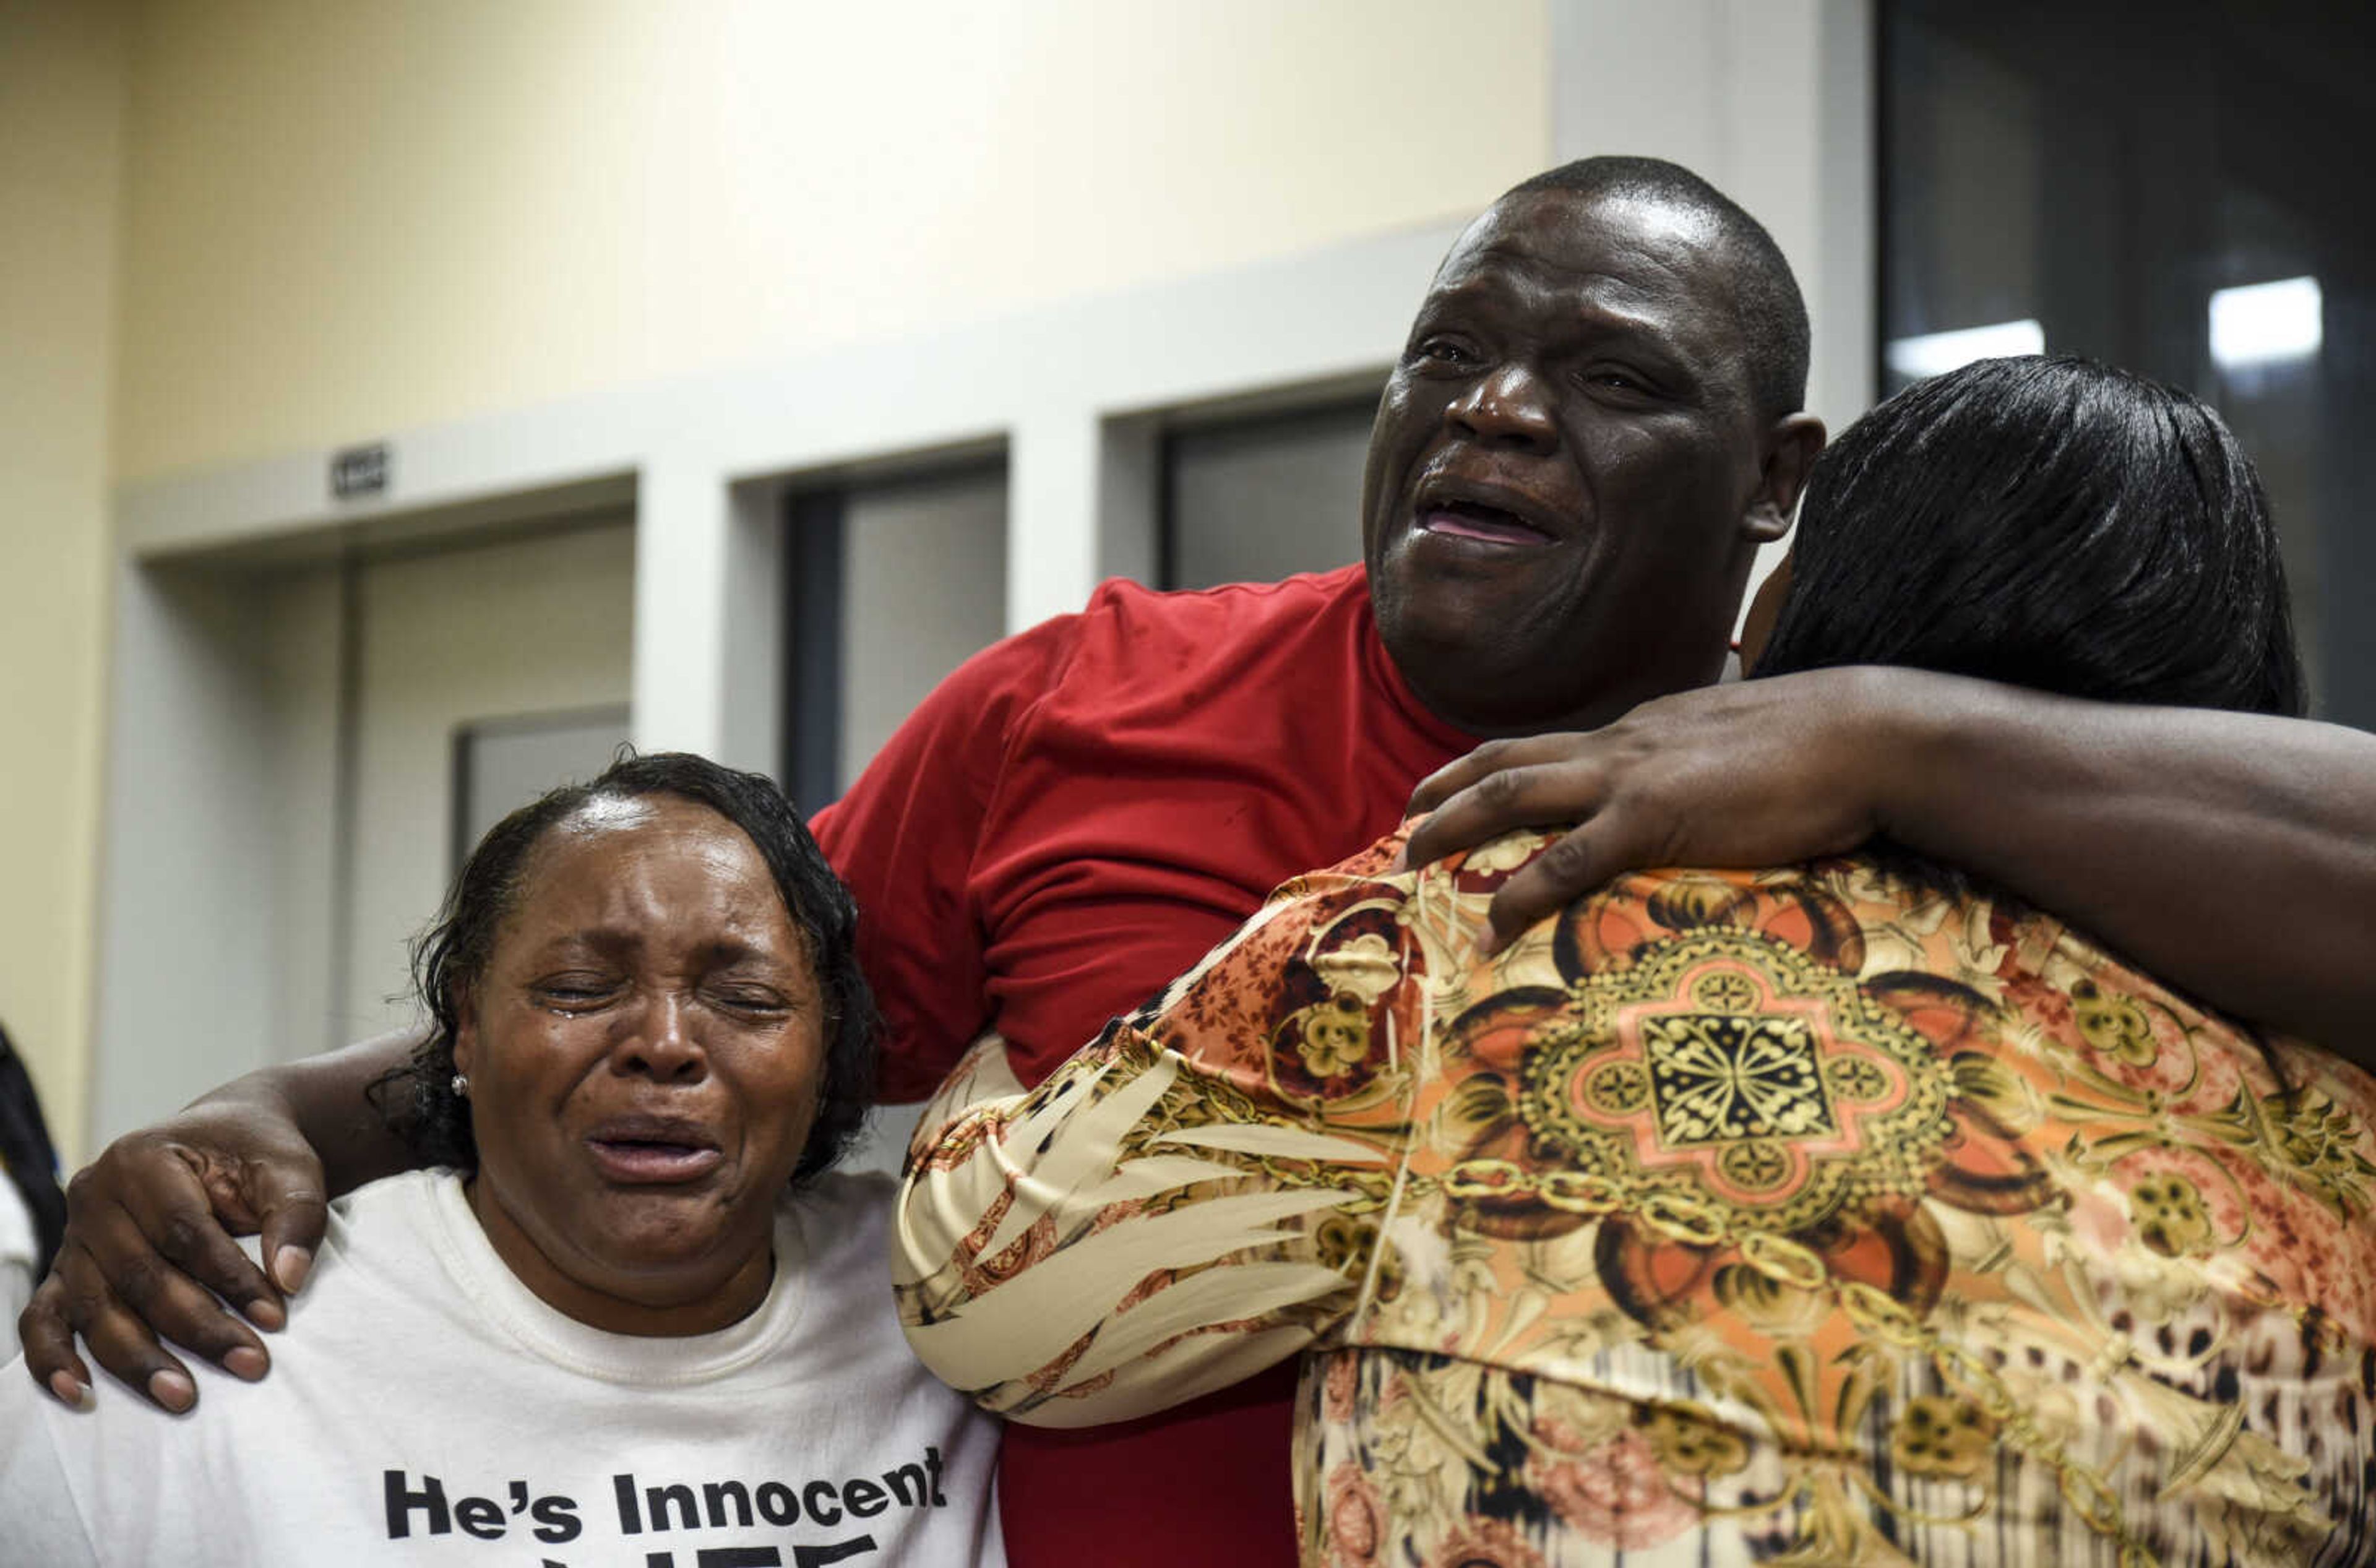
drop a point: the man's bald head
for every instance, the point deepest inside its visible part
(1766, 296)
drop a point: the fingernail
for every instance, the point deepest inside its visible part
(69, 1390)
(289, 1266)
(1488, 943)
(265, 1312)
(173, 1390)
(247, 1362)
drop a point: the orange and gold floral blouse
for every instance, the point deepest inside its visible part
(1835, 1215)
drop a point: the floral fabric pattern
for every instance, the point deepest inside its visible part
(1820, 1216)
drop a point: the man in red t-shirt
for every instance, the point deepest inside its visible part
(1592, 426)
(1076, 815)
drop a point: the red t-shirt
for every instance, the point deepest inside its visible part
(1066, 823)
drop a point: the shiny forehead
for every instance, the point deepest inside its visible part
(608, 837)
(671, 819)
(667, 824)
(1634, 241)
(604, 813)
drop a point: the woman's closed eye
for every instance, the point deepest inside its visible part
(750, 999)
(575, 992)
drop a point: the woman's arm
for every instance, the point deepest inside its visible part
(2231, 854)
(1158, 1219)
(149, 1244)
(1064, 1265)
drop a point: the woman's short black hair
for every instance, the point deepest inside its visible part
(2047, 522)
(450, 958)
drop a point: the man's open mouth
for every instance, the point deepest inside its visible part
(1474, 519)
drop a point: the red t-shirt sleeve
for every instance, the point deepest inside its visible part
(905, 838)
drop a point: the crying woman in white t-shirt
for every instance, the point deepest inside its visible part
(629, 1316)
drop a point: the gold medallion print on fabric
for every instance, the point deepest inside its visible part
(1330, 1043)
(1723, 1085)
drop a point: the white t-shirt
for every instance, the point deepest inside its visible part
(425, 1408)
(16, 1244)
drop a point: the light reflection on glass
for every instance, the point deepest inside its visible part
(1935, 353)
(2257, 324)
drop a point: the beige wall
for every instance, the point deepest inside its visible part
(62, 86)
(242, 228)
(349, 219)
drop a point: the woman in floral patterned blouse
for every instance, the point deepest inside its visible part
(1847, 1212)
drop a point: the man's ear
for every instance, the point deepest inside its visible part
(1791, 446)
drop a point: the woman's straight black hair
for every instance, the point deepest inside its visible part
(2045, 522)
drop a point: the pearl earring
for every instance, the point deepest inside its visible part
(461, 1086)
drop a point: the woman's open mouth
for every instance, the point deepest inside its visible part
(653, 1150)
